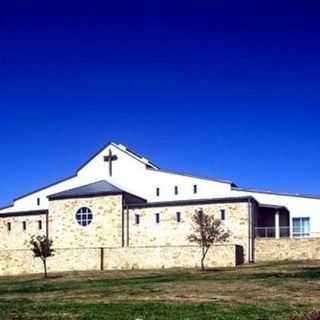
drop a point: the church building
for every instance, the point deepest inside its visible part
(121, 211)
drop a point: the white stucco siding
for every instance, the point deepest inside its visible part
(129, 173)
(298, 206)
(29, 202)
(132, 175)
(166, 182)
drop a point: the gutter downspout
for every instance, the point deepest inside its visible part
(250, 232)
(122, 222)
(128, 223)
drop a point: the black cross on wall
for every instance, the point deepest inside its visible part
(110, 158)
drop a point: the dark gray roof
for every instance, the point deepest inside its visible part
(193, 176)
(192, 202)
(298, 195)
(23, 213)
(100, 188)
(272, 206)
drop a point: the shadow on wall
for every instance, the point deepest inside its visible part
(239, 255)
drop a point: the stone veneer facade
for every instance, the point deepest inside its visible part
(287, 249)
(17, 238)
(169, 232)
(104, 231)
(113, 240)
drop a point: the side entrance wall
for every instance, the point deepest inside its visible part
(287, 249)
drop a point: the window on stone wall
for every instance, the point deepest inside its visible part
(137, 219)
(195, 188)
(157, 217)
(158, 192)
(24, 226)
(176, 190)
(84, 216)
(40, 225)
(9, 226)
(178, 214)
(223, 215)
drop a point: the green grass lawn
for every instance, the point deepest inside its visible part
(261, 291)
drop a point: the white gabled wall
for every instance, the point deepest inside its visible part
(131, 174)
(29, 202)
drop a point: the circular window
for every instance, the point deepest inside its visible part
(84, 216)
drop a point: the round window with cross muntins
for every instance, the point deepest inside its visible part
(84, 216)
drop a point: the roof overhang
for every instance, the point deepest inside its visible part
(23, 213)
(275, 207)
(192, 202)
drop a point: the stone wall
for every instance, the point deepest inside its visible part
(287, 249)
(126, 244)
(17, 238)
(18, 262)
(169, 232)
(168, 257)
(105, 229)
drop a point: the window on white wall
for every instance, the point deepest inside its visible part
(301, 227)
(137, 219)
(40, 225)
(195, 188)
(178, 214)
(176, 190)
(38, 201)
(24, 226)
(9, 226)
(158, 192)
(157, 217)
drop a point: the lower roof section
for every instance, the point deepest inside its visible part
(191, 202)
(24, 213)
(96, 189)
(133, 202)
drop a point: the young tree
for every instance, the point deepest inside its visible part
(42, 248)
(206, 232)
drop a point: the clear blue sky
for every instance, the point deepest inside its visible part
(228, 89)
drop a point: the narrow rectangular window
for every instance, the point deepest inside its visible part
(158, 192)
(178, 216)
(195, 188)
(223, 215)
(176, 190)
(9, 226)
(137, 219)
(157, 217)
(38, 201)
(40, 225)
(24, 226)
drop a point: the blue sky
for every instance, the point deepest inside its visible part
(229, 90)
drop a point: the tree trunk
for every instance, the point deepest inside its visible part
(202, 259)
(202, 264)
(45, 269)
